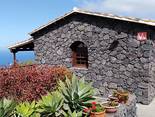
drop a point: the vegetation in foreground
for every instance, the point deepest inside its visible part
(70, 98)
(28, 83)
(45, 91)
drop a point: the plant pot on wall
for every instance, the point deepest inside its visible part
(112, 98)
(111, 109)
(122, 96)
(111, 106)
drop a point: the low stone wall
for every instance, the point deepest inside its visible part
(126, 110)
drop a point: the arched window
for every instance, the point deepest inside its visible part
(79, 54)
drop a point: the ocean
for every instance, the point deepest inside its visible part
(6, 57)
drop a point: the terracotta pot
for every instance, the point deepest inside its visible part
(111, 109)
(97, 114)
(122, 96)
(112, 98)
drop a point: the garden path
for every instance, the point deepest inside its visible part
(146, 110)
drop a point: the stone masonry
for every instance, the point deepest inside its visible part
(130, 65)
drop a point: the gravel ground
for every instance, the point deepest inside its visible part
(146, 110)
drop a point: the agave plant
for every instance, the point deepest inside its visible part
(77, 93)
(26, 109)
(50, 105)
(7, 107)
(72, 114)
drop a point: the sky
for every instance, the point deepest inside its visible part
(19, 17)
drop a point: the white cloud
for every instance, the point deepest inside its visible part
(137, 8)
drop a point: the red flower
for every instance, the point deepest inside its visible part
(86, 110)
(93, 103)
(93, 107)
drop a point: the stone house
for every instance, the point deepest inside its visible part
(110, 50)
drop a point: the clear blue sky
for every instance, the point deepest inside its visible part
(19, 17)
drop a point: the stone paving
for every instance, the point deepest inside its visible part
(146, 110)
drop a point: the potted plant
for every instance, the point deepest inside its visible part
(97, 110)
(111, 106)
(122, 96)
(113, 98)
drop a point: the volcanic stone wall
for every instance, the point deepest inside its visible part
(152, 71)
(129, 64)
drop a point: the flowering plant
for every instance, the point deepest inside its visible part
(94, 108)
(122, 95)
(113, 103)
(97, 108)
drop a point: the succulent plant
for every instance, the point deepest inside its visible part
(7, 107)
(26, 109)
(77, 93)
(50, 105)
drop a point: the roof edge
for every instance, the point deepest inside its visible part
(99, 14)
(20, 43)
(51, 22)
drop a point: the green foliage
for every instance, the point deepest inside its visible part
(72, 96)
(6, 107)
(28, 62)
(98, 108)
(26, 109)
(76, 93)
(73, 114)
(50, 105)
(113, 103)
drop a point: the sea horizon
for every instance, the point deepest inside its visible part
(6, 57)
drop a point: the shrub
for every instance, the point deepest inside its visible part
(71, 97)
(30, 82)
(28, 62)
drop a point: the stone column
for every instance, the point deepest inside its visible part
(14, 58)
